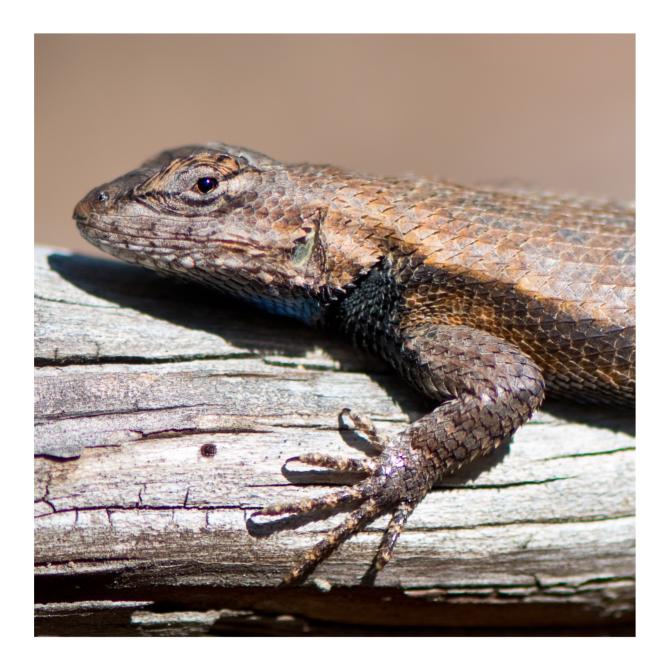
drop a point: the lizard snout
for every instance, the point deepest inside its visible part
(96, 200)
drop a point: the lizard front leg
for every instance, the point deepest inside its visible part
(487, 388)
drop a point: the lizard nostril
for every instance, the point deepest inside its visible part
(102, 196)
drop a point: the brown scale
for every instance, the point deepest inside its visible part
(478, 298)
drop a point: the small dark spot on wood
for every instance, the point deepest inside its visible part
(208, 450)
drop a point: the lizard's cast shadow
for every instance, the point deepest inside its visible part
(193, 307)
(198, 308)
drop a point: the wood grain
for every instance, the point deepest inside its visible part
(164, 414)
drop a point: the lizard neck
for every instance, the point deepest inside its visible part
(369, 311)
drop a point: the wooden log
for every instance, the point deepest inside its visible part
(164, 413)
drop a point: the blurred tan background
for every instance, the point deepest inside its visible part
(551, 111)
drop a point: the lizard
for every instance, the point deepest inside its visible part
(480, 299)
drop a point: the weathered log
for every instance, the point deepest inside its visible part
(164, 413)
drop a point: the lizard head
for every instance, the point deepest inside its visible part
(219, 215)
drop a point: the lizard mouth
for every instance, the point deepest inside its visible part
(83, 226)
(86, 226)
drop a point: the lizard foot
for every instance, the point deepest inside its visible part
(383, 489)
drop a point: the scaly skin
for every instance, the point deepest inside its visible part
(479, 299)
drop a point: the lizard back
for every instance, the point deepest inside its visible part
(554, 275)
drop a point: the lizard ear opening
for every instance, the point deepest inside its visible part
(307, 247)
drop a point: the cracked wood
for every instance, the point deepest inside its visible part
(161, 424)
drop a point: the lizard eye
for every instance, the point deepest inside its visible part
(206, 184)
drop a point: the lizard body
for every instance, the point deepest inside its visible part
(480, 299)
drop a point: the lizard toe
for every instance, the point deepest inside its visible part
(366, 466)
(352, 420)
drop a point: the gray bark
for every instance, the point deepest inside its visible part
(164, 414)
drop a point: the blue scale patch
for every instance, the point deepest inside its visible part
(303, 309)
